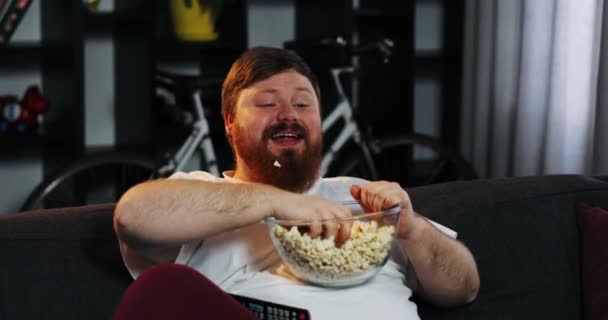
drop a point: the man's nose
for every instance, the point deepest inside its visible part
(287, 112)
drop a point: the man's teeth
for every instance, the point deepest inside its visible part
(285, 135)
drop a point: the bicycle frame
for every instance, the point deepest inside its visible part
(199, 137)
(343, 111)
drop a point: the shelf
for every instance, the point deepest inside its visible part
(381, 13)
(22, 54)
(21, 47)
(167, 42)
(176, 50)
(428, 63)
(106, 22)
(428, 54)
(17, 144)
(168, 46)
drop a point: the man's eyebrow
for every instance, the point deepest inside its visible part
(269, 90)
(272, 90)
(304, 89)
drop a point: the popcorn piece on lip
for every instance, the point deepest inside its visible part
(277, 164)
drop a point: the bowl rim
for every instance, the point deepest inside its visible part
(390, 211)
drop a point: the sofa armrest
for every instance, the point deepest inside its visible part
(60, 264)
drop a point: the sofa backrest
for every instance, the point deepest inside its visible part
(60, 264)
(524, 236)
(65, 263)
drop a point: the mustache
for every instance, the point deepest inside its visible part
(296, 127)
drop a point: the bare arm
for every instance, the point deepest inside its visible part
(153, 219)
(445, 269)
(152, 212)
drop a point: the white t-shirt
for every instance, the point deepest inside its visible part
(244, 262)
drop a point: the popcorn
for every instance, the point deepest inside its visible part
(368, 247)
(277, 164)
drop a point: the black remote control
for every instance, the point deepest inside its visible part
(266, 310)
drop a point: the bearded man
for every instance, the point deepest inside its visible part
(201, 236)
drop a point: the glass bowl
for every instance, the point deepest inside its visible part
(321, 262)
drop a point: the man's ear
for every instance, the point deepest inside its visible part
(228, 122)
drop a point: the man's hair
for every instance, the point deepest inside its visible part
(257, 64)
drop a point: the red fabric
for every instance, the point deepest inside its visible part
(593, 225)
(178, 292)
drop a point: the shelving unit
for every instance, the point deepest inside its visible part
(443, 65)
(138, 125)
(453, 41)
(141, 36)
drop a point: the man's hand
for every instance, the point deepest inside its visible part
(445, 269)
(382, 195)
(321, 213)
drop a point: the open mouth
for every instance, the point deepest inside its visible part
(286, 138)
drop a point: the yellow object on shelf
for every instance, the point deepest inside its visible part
(193, 23)
(91, 5)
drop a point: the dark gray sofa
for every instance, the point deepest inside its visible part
(65, 264)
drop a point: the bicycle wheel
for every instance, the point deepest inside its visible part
(411, 160)
(97, 178)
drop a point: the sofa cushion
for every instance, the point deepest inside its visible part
(60, 264)
(523, 235)
(593, 224)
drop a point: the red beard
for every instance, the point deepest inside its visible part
(297, 172)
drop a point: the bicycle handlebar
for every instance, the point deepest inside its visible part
(189, 82)
(384, 46)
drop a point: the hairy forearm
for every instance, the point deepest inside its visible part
(445, 269)
(172, 212)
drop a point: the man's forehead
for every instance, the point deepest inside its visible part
(277, 80)
(275, 90)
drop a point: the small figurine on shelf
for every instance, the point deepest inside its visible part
(22, 116)
(91, 5)
(194, 20)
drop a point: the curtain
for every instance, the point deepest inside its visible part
(534, 87)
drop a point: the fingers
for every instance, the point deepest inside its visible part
(324, 222)
(381, 195)
(344, 230)
(329, 224)
(355, 192)
(316, 228)
(335, 226)
(330, 229)
(323, 217)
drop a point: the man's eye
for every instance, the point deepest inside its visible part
(265, 104)
(301, 105)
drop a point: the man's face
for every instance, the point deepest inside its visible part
(276, 132)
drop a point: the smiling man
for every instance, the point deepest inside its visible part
(278, 120)
(212, 225)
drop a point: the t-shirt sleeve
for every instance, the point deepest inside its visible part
(186, 251)
(135, 264)
(194, 175)
(445, 230)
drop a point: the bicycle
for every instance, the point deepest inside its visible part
(380, 158)
(123, 169)
(355, 151)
